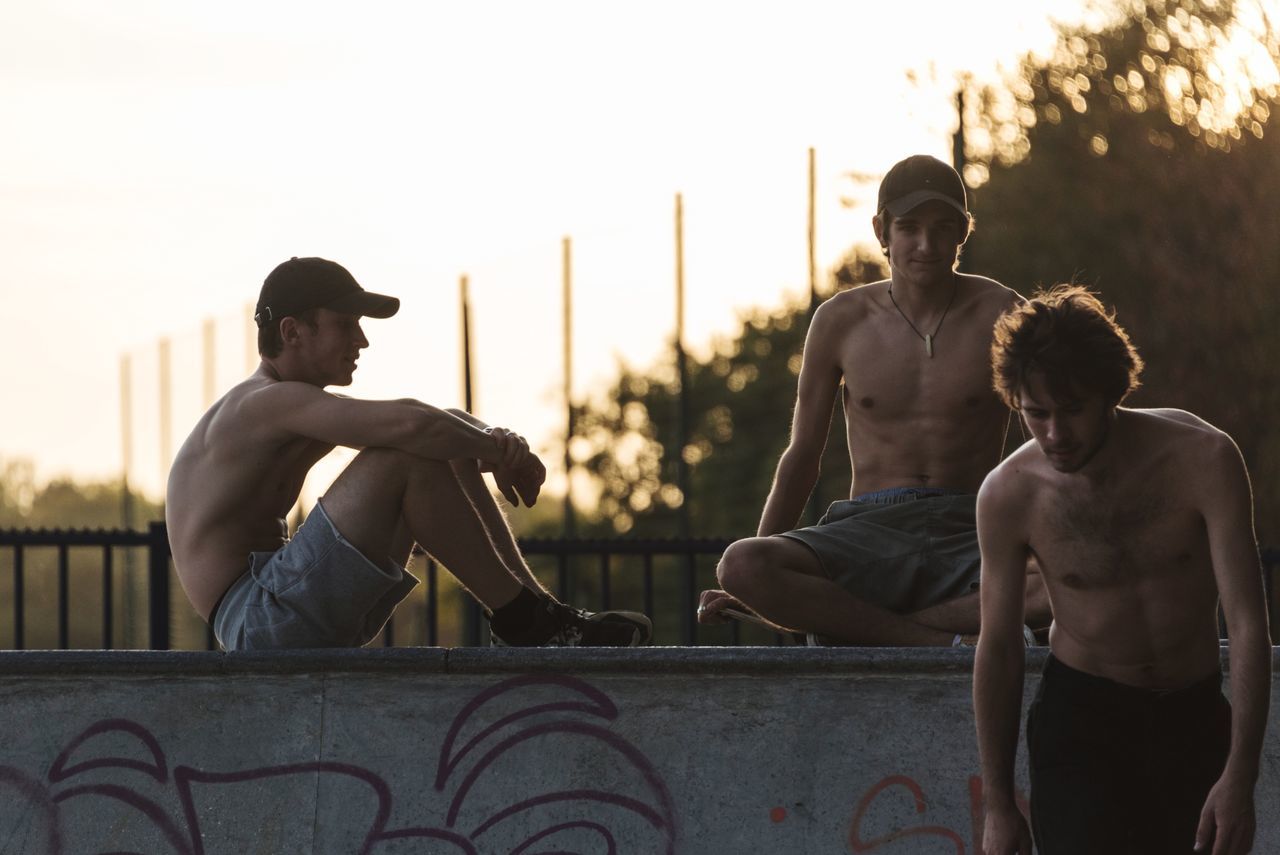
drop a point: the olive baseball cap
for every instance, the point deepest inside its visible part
(301, 284)
(919, 179)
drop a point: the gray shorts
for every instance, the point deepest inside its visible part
(903, 549)
(315, 591)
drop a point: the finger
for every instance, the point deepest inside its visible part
(1204, 831)
(1223, 842)
(529, 492)
(508, 490)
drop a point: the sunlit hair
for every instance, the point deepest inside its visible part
(967, 226)
(270, 344)
(1069, 337)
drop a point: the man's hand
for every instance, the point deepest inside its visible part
(712, 603)
(1005, 832)
(519, 474)
(1227, 819)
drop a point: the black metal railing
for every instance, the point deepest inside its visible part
(661, 577)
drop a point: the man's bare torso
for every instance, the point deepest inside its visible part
(230, 489)
(1126, 556)
(913, 420)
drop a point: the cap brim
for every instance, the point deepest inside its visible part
(905, 204)
(366, 304)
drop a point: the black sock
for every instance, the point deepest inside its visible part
(514, 622)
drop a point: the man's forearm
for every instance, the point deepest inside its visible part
(997, 701)
(791, 488)
(1250, 657)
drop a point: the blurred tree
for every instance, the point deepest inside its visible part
(65, 503)
(741, 401)
(1141, 159)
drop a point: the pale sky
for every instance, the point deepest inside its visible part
(159, 158)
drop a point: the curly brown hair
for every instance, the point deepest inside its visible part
(1067, 335)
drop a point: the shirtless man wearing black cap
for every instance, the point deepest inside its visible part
(896, 563)
(417, 478)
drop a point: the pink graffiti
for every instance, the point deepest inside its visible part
(939, 832)
(460, 768)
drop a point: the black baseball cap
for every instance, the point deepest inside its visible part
(300, 284)
(919, 179)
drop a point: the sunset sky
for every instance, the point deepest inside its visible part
(161, 157)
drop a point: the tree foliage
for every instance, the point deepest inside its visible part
(1142, 159)
(66, 503)
(740, 403)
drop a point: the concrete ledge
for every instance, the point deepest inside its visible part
(468, 751)
(788, 661)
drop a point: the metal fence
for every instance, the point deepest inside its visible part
(122, 593)
(106, 589)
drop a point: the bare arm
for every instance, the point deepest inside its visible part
(406, 425)
(1228, 813)
(797, 471)
(1000, 660)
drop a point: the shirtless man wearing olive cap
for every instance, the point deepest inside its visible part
(417, 478)
(896, 563)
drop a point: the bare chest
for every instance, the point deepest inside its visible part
(890, 374)
(1113, 540)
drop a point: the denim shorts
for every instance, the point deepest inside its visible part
(317, 590)
(903, 549)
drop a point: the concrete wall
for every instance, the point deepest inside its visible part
(662, 750)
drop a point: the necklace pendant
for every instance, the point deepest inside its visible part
(928, 345)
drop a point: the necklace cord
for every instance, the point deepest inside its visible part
(928, 340)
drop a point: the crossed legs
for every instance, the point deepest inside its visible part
(783, 581)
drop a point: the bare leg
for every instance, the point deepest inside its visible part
(962, 615)
(783, 581)
(383, 493)
(495, 522)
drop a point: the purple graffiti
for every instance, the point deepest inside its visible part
(181, 809)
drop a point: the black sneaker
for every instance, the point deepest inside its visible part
(558, 625)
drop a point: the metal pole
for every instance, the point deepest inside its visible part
(250, 340)
(570, 524)
(166, 420)
(126, 441)
(466, 344)
(210, 361)
(126, 493)
(682, 419)
(815, 497)
(158, 588)
(813, 227)
(957, 144)
(471, 618)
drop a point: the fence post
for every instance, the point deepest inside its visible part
(158, 585)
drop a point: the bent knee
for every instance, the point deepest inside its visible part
(744, 567)
(394, 463)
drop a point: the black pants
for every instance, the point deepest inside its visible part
(1118, 770)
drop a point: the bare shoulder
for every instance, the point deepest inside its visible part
(988, 292)
(1013, 481)
(1179, 426)
(1197, 447)
(851, 304)
(844, 312)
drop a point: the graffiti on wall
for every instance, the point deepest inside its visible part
(527, 766)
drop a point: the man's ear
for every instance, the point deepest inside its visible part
(877, 225)
(289, 329)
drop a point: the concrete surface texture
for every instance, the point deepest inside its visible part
(523, 752)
